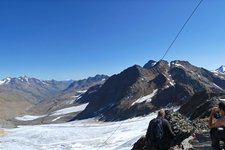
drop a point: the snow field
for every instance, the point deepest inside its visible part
(78, 135)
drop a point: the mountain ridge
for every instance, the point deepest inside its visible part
(176, 82)
(27, 92)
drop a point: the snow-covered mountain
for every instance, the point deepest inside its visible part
(221, 69)
(34, 89)
(5, 81)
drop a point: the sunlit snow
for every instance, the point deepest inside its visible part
(55, 113)
(28, 117)
(146, 98)
(5, 81)
(77, 135)
(69, 110)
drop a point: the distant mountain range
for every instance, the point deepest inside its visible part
(17, 95)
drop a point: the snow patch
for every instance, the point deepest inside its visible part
(28, 117)
(81, 91)
(217, 86)
(179, 65)
(147, 98)
(69, 110)
(55, 113)
(56, 119)
(5, 81)
(222, 99)
(2, 82)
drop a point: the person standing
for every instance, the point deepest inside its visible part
(217, 125)
(159, 132)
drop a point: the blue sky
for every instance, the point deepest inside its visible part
(65, 39)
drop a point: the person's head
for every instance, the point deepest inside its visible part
(222, 108)
(161, 113)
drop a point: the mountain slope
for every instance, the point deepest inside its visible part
(139, 91)
(69, 97)
(17, 95)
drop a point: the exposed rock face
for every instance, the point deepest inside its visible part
(138, 91)
(181, 126)
(200, 104)
(89, 94)
(149, 64)
(86, 83)
(119, 92)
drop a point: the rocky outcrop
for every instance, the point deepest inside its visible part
(149, 64)
(181, 126)
(200, 104)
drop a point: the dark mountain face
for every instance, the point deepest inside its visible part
(138, 91)
(149, 64)
(119, 90)
(85, 83)
(199, 106)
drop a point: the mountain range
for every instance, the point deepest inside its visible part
(136, 91)
(22, 94)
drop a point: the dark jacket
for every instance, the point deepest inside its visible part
(167, 135)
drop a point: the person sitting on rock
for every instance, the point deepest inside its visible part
(217, 125)
(159, 134)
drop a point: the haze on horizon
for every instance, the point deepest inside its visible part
(76, 39)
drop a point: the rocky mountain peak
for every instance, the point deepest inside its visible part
(180, 63)
(90, 81)
(24, 78)
(149, 64)
(138, 88)
(5, 81)
(98, 77)
(221, 69)
(133, 70)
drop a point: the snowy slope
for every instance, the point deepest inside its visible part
(78, 135)
(146, 98)
(55, 113)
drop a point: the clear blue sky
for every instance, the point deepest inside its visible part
(74, 39)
